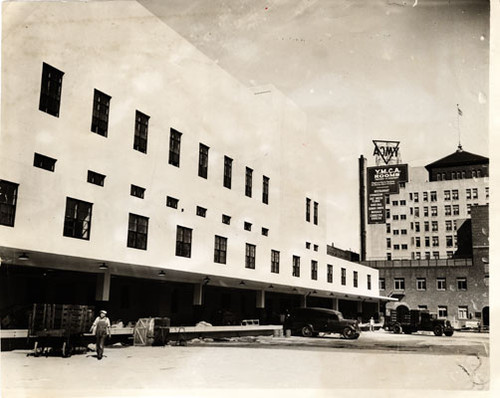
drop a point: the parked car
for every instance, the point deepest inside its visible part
(311, 321)
(416, 320)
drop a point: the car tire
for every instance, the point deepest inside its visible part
(349, 333)
(438, 330)
(397, 329)
(306, 331)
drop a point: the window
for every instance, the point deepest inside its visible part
(404, 246)
(203, 161)
(468, 208)
(417, 255)
(473, 173)
(247, 226)
(389, 256)
(442, 311)
(248, 182)
(275, 261)
(395, 231)
(137, 191)
(487, 192)
(296, 266)
(396, 247)
(95, 178)
(265, 190)
(463, 312)
(417, 227)
(474, 193)
(435, 255)
(434, 211)
(454, 194)
(468, 193)
(417, 241)
(449, 240)
(343, 276)
(315, 248)
(172, 202)
(447, 195)
(417, 212)
(448, 225)
(8, 200)
(462, 284)
(220, 249)
(426, 211)
(308, 209)
(44, 162)
(434, 226)
(422, 307)
(381, 283)
(395, 217)
(438, 176)
(456, 210)
(226, 219)
(435, 241)
(449, 254)
(399, 283)
(369, 282)
(387, 214)
(316, 205)
(447, 210)
(201, 211)
(411, 196)
(395, 203)
(77, 219)
(314, 270)
(415, 197)
(174, 152)
(228, 171)
(355, 278)
(141, 132)
(427, 255)
(427, 241)
(50, 92)
(425, 196)
(403, 217)
(388, 243)
(402, 202)
(453, 175)
(454, 225)
(404, 232)
(433, 196)
(387, 200)
(137, 231)
(308, 245)
(388, 228)
(421, 284)
(183, 241)
(265, 231)
(100, 113)
(250, 256)
(329, 273)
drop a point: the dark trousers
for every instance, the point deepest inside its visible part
(100, 338)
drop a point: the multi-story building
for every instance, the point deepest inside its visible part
(137, 175)
(429, 251)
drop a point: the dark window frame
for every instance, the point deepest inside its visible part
(220, 249)
(248, 181)
(95, 178)
(172, 202)
(329, 273)
(174, 150)
(137, 191)
(226, 219)
(44, 162)
(184, 239)
(201, 211)
(8, 202)
(100, 113)
(296, 266)
(51, 90)
(250, 253)
(275, 261)
(265, 190)
(203, 161)
(137, 232)
(141, 131)
(314, 270)
(308, 210)
(316, 213)
(77, 219)
(228, 172)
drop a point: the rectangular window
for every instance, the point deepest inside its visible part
(415, 197)
(329, 273)
(387, 213)
(435, 241)
(402, 202)
(404, 246)
(468, 208)
(381, 283)
(404, 232)
(394, 202)
(265, 190)
(136, 191)
(343, 276)
(433, 196)
(265, 231)
(462, 284)
(396, 247)
(417, 241)
(468, 193)
(422, 307)
(141, 132)
(100, 113)
(50, 92)
(395, 231)
(399, 283)
(388, 228)
(403, 217)
(226, 219)
(296, 266)
(172, 202)
(425, 196)
(183, 241)
(174, 151)
(434, 226)
(426, 211)
(77, 219)
(449, 254)
(355, 278)
(248, 182)
(411, 196)
(316, 207)
(308, 209)
(456, 210)
(435, 255)
(442, 311)
(44, 162)
(388, 243)
(417, 227)
(369, 282)
(220, 249)
(308, 245)
(395, 217)
(137, 231)
(463, 312)
(228, 171)
(417, 255)
(201, 211)
(275, 261)
(448, 225)
(427, 241)
(434, 211)
(247, 226)
(8, 201)
(416, 212)
(203, 161)
(454, 194)
(447, 210)
(421, 284)
(449, 240)
(314, 270)
(315, 248)
(447, 195)
(250, 256)
(95, 178)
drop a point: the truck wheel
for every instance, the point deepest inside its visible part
(448, 333)
(306, 331)
(407, 331)
(397, 329)
(349, 333)
(438, 330)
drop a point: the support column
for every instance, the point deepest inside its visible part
(198, 294)
(103, 286)
(335, 304)
(303, 301)
(360, 307)
(260, 301)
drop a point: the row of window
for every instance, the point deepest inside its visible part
(421, 284)
(50, 97)
(449, 225)
(315, 211)
(458, 175)
(451, 241)
(315, 247)
(449, 210)
(426, 255)
(442, 311)
(448, 194)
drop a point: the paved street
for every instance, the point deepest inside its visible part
(377, 360)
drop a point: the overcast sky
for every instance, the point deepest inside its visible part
(361, 70)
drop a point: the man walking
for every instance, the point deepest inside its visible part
(101, 328)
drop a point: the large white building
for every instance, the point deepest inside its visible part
(138, 175)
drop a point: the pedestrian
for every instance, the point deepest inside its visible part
(372, 324)
(102, 329)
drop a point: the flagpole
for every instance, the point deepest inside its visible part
(459, 113)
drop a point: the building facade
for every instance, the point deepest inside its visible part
(432, 250)
(138, 175)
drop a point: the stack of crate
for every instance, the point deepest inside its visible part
(73, 319)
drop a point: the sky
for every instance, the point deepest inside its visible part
(361, 71)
